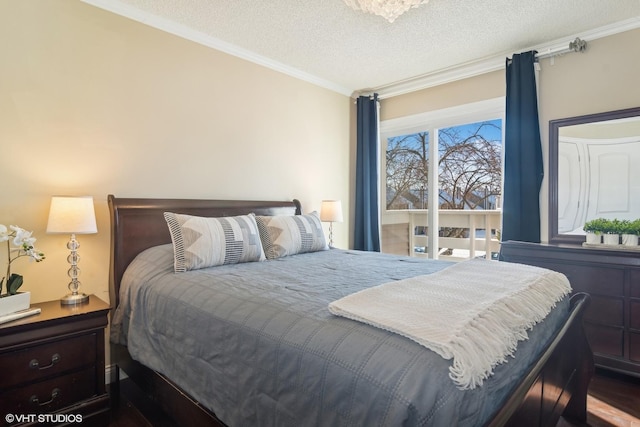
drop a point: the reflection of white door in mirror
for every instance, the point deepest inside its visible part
(571, 186)
(594, 171)
(597, 179)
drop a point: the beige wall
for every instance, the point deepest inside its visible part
(603, 78)
(479, 88)
(92, 103)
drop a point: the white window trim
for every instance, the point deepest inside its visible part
(466, 113)
(432, 121)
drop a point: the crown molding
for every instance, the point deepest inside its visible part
(185, 32)
(435, 78)
(493, 63)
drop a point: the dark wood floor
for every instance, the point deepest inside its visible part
(135, 410)
(614, 401)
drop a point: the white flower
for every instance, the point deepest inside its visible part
(4, 234)
(22, 237)
(23, 242)
(35, 255)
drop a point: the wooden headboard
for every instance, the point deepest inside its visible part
(138, 224)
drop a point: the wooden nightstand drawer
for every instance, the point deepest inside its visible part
(54, 363)
(41, 361)
(49, 395)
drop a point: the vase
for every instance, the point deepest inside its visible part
(593, 238)
(611, 239)
(16, 302)
(630, 239)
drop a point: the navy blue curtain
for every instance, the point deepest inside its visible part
(367, 224)
(523, 169)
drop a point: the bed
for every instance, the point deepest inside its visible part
(547, 378)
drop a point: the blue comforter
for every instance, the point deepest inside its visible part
(256, 344)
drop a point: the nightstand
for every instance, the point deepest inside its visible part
(53, 364)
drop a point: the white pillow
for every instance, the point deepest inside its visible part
(284, 235)
(200, 242)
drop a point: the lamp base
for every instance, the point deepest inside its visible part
(74, 299)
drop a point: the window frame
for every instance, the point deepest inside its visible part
(431, 122)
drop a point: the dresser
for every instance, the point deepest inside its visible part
(52, 366)
(612, 278)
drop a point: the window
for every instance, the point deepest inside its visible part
(407, 174)
(470, 165)
(459, 170)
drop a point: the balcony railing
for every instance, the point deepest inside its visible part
(405, 232)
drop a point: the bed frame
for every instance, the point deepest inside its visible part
(555, 386)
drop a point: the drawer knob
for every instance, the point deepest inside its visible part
(54, 393)
(34, 364)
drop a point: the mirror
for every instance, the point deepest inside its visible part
(594, 171)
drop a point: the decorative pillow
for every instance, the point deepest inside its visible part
(284, 235)
(200, 242)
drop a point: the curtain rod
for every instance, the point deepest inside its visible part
(578, 45)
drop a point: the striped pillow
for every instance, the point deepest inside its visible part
(284, 235)
(200, 242)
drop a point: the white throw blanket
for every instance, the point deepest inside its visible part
(475, 311)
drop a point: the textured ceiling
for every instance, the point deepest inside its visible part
(351, 50)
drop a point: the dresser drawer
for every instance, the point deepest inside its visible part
(41, 361)
(634, 279)
(634, 315)
(634, 347)
(605, 311)
(596, 280)
(584, 278)
(605, 340)
(49, 395)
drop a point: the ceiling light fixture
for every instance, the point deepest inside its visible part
(388, 9)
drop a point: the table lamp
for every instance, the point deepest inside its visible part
(331, 211)
(72, 215)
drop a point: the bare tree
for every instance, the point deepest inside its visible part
(469, 170)
(407, 170)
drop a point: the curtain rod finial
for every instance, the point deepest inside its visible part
(578, 45)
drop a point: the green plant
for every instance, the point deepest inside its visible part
(626, 227)
(23, 243)
(610, 226)
(634, 227)
(614, 226)
(597, 226)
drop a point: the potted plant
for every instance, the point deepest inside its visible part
(611, 232)
(594, 229)
(630, 232)
(12, 300)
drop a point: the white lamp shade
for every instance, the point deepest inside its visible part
(72, 215)
(331, 211)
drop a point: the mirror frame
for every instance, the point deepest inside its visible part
(554, 129)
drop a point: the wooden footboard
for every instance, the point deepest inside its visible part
(557, 384)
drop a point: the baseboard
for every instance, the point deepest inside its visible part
(109, 371)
